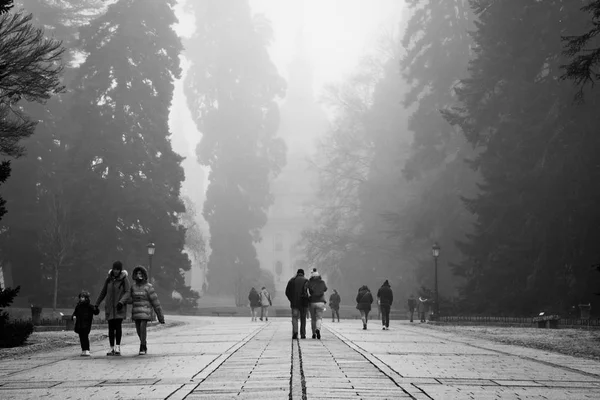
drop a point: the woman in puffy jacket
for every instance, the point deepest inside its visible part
(144, 299)
(254, 300)
(364, 299)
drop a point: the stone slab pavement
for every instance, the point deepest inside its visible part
(229, 357)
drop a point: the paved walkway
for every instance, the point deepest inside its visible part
(224, 358)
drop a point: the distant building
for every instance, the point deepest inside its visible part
(302, 123)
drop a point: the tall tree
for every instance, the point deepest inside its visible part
(231, 89)
(437, 52)
(123, 177)
(535, 234)
(583, 66)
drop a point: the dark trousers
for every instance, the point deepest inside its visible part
(140, 327)
(385, 315)
(334, 312)
(422, 316)
(412, 313)
(299, 314)
(114, 331)
(84, 340)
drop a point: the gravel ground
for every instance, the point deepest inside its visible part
(575, 342)
(47, 341)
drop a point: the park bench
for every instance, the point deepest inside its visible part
(547, 321)
(218, 313)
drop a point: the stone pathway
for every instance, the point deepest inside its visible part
(226, 358)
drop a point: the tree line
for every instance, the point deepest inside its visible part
(93, 176)
(473, 126)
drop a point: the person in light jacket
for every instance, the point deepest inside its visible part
(144, 299)
(265, 302)
(116, 291)
(316, 289)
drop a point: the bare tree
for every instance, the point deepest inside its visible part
(57, 240)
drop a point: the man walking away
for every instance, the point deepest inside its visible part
(385, 297)
(334, 303)
(422, 309)
(295, 292)
(412, 304)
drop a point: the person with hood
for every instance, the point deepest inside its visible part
(334, 303)
(422, 308)
(84, 315)
(385, 298)
(364, 299)
(316, 290)
(116, 291)
(412, 304)
(265, 302)
(254, 300)
(295, 291)
(144, 299)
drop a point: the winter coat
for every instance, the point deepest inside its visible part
(316, 289)
(412, 304)
(254, 298)
(84, 315)
(265, 298)
(115, 290)
(334, 301)
(144, 298)
(293, 292)
(422, 306)
(364, 299)
(385, 295)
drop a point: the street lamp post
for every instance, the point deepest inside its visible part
(151, 247)
(435, 250)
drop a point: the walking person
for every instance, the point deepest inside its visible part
(316, 290)
(144, 299)
(84, 315)
(364, 299)
(116, 291)
(412, 304)
(422, 308)
(385, 298)
(334, 303)
(265, 303)
(295, 291)
(254, 300)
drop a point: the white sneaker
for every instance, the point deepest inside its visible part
(118, 350)
(86, 353)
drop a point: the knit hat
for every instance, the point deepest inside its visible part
(314, 273)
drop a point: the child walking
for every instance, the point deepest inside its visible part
(84, 315)
(144, 300)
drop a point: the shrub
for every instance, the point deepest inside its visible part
(15, 333)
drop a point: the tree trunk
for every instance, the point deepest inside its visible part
(55, 286)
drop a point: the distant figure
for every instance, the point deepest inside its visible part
(412, 304)
(84, 315)
(316, 290)
(144, 299)
(254, 300)
(385, 298)
(422, 308)
(364, 299)
(265, 302)
(295, 292)
(116, 290)
(334, 303)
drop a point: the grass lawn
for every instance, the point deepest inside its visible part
(575, 342)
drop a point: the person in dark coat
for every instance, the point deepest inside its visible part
(385, 298)
(364, 299)
(295, 292)
(84, 315)
(334, 303)
(116, 292)
(316, 290)
(412, 304)
(144, 299)
(423, 308)
(254, 300)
